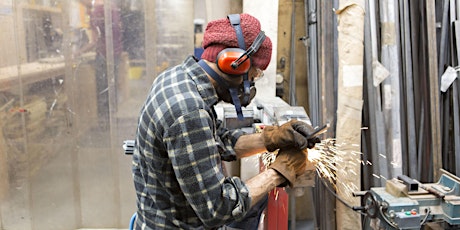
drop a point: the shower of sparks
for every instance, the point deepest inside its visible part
(326, 156)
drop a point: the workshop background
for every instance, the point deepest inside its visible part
(382, 73)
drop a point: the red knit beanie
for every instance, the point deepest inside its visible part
(220, 34)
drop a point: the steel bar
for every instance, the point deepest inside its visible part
(455, 101)
(313, 80)
(444, 103)
(391, 85)
(446, 132)
(443, 54)
(420, 141)
(402, 81)
(371, 95)
(455, 90)
(415, 25)
(433, 88)
(327, 71)
(383, 172)
(409, 99)
(424, 92)
(448, 158)
(292, 75)
(292, 101)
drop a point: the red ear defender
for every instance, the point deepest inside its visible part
(227, 57)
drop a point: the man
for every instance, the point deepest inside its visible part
(180, 144)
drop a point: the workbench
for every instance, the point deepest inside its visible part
(27, 73)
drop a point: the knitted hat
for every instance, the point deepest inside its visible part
(220, 34)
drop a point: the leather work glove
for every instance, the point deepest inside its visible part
(291, 134)
(290, 163)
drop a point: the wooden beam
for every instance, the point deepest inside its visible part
(349, 107)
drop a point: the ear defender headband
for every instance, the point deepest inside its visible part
(233, 61)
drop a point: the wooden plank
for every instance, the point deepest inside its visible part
(434, 109)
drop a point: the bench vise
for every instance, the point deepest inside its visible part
(405, 203)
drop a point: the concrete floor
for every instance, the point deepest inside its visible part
(305, 225)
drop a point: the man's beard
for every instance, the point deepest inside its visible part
(225, 96)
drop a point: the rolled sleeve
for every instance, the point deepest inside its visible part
(227, 140)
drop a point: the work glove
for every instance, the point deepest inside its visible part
(290, 163)
(293, 134)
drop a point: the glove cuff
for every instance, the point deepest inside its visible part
(287, 174)
(269, 141)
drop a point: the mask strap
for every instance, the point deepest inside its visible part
(236, 102)
(233, 91)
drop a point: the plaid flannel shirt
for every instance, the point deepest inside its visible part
(177, 166)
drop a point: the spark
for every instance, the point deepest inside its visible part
(326, 156)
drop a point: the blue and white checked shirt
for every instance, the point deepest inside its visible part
(177, 164)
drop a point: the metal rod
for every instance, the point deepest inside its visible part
(391, 99)
(455, 101)
(313, 84)
(370, 89)
(433, 87)
(455, 54)
(444, 103)
(375, 106)
(417, 71)
(411, 136)
(319, 131)
(455, 90)
(292, 90)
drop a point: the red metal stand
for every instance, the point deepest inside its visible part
(276, 213)
(277, 210)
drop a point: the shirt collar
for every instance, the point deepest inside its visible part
(203, 84)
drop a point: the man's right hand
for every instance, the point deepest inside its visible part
(290, 163)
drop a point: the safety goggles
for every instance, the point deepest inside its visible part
(255, 74)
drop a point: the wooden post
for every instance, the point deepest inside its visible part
(349, 109)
